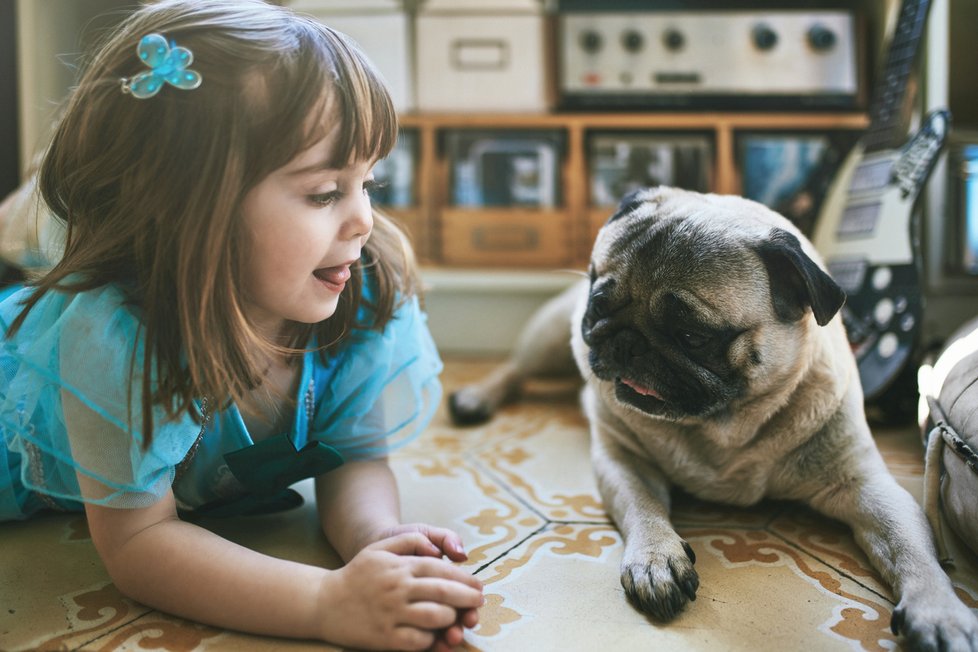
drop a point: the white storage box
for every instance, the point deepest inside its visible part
(484, 55)
(382, 28)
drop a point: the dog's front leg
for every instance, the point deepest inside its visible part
(657, 564)
(892, 530)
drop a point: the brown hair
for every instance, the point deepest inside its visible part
(151, 189)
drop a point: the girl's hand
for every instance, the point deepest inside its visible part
(442, 541)
(393, 594)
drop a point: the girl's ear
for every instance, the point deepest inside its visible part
(796, 281)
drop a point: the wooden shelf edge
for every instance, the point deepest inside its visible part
(652, 120)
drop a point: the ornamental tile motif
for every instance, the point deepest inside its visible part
(520, 492)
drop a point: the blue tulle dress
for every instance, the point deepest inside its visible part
(73, 354)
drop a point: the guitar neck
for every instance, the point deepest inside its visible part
(886, 128)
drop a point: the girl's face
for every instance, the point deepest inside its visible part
(307, 224)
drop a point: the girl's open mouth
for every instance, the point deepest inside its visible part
(334, 278)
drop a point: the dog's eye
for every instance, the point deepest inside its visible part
(692, 340)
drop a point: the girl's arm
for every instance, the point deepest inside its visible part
(358, 504)
(385, 597)
(154, 557)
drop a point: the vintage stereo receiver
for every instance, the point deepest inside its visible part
(630, 54)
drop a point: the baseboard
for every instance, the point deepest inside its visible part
(479, 312)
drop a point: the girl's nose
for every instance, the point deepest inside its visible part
(359, 221)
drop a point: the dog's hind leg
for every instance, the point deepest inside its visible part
(542, 350)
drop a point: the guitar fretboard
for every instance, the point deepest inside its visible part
(885, 128)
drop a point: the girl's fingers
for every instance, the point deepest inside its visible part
(429, 615)
(469, 618)
(450, 638)
(453, 594)
(409, 543)
(413, 638)
(449, 542)
(441, 646)
(427, 567)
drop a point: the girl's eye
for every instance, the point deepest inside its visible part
(325, 198)
(328, 198)
(371, 186)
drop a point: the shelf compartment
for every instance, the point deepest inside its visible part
(414, 223)
(510, 237)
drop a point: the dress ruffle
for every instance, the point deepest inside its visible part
(383, 391)
(83, 353)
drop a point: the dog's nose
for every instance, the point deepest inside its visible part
(601, 306)
(593, 331)
(596, 313)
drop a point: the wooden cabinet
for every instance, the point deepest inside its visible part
(520, 237)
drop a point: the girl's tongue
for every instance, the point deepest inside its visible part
(336, 275)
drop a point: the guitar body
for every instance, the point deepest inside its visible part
(866, 229)
(874, 263)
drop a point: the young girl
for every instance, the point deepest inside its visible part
(229, 317)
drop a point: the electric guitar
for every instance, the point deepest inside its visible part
(866, 229)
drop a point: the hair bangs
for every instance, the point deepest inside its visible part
(356, 96)
(326, 84)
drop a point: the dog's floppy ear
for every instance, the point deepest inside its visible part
(796, 281)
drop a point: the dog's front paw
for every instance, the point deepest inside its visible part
(659, 579)
(936, 624)
(469, 406)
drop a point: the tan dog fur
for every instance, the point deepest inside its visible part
(781, 413)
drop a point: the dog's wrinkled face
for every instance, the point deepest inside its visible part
(697, 302)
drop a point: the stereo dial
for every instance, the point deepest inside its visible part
(821, 38)
(673, 40)
(591, 41)
(764, 37)
(632, 41)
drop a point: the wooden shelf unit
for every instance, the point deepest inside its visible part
(562, 236)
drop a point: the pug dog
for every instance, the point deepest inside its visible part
(714, 359)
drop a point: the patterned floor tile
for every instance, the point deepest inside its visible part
(831, 542)
(560, 590)
(451, 491)
(520, 491)
(546, 463)
(54, 591)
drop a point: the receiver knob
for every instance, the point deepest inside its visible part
(673, 39)
(821, 38)
(764, 37)
(632, 40)
(591, 41)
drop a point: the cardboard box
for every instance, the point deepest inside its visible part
(481, 56)
(383, 30)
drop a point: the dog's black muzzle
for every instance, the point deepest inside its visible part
(602, 308)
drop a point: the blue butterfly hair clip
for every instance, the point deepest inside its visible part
(169, 64)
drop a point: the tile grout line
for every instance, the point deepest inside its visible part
(832, 566)
(505, 485)
(115, 629)
(516, 545)
(473, 459)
